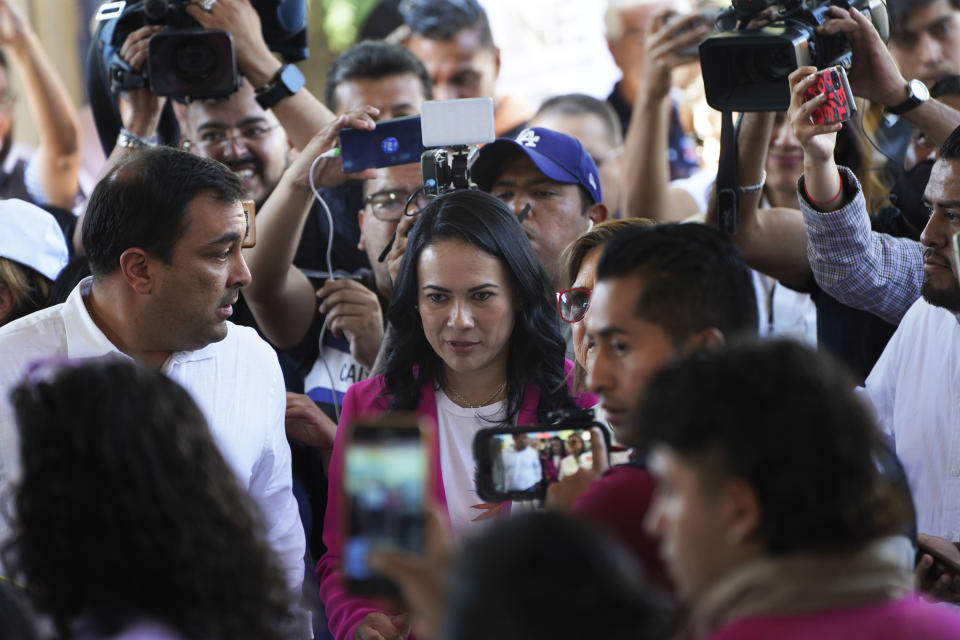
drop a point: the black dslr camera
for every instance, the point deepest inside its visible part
(184, 61)
(747, 69)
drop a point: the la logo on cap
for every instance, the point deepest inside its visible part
(528, 138)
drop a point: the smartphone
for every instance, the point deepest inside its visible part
(385, 480)
(504, 458)
(392, 142)
(839, 106)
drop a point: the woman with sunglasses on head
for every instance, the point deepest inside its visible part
(578, 271)
(478, 345)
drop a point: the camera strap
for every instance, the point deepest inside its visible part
(727, 176)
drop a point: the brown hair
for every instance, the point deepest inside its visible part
(572, 259)
(30, 288)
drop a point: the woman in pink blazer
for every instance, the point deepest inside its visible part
(478, 344)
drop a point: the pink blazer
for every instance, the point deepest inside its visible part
(345, 611)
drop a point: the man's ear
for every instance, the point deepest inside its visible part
(360, 224)
(709, 338)
(136, 265)
(496, 60)
(598, 213)
(741, 511)
(7, 301)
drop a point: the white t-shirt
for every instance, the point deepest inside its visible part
(456, 427)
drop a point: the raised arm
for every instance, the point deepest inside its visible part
(54, 116)
(857, 266)
(874, 75)
(140, 112)
(646, 171)
(772, 240)
(280, 295)
(301, 115)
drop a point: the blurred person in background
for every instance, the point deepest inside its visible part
(33, 252)
(594, 123)
(454, 41)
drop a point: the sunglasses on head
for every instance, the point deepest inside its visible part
(573, 303)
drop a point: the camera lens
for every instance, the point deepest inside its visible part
(194, 59)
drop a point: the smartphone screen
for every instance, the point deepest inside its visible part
(519, 463)
(384, 483)
(839, 105)
(392, 142)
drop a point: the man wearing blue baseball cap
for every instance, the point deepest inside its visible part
(553, 178)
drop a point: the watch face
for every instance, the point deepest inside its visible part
(292, 79)
(919, 91)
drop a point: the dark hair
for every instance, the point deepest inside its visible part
(563, 446)
(950, 149)
(536, 347)
(143, 202)
(506, 578)
(16, 619)
(124, 486)
(694, 278)
(443, 19)
(900, 10)
(786, 420)
(576, 104)
(373, 60)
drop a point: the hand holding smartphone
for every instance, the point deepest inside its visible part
(839, 105)
(385, 480)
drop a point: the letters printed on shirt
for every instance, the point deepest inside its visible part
(334, 356)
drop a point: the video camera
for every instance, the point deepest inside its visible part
(747, 69)
(184, 61)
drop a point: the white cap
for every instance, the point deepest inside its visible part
(31, 236)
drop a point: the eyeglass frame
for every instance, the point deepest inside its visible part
(210, 147)
(589, 292)
(408, 197)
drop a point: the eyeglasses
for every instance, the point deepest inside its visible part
(573, 304)
(391, 204)
(213, 140)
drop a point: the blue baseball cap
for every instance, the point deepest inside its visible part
(558, 156)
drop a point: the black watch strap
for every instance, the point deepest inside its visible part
(918, 94)
(284, 84)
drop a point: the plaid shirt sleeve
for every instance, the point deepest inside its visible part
(859, 267)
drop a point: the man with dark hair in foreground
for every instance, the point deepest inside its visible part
(781, 511)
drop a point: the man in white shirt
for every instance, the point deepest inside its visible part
(913, 385)
(521, 465)
(163, 233)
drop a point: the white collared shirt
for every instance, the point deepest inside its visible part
(915, 390)
(236, 382)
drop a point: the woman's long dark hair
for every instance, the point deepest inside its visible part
(126, 509)
(536, 347)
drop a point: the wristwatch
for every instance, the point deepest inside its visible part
(918, 95)
(283, 85)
